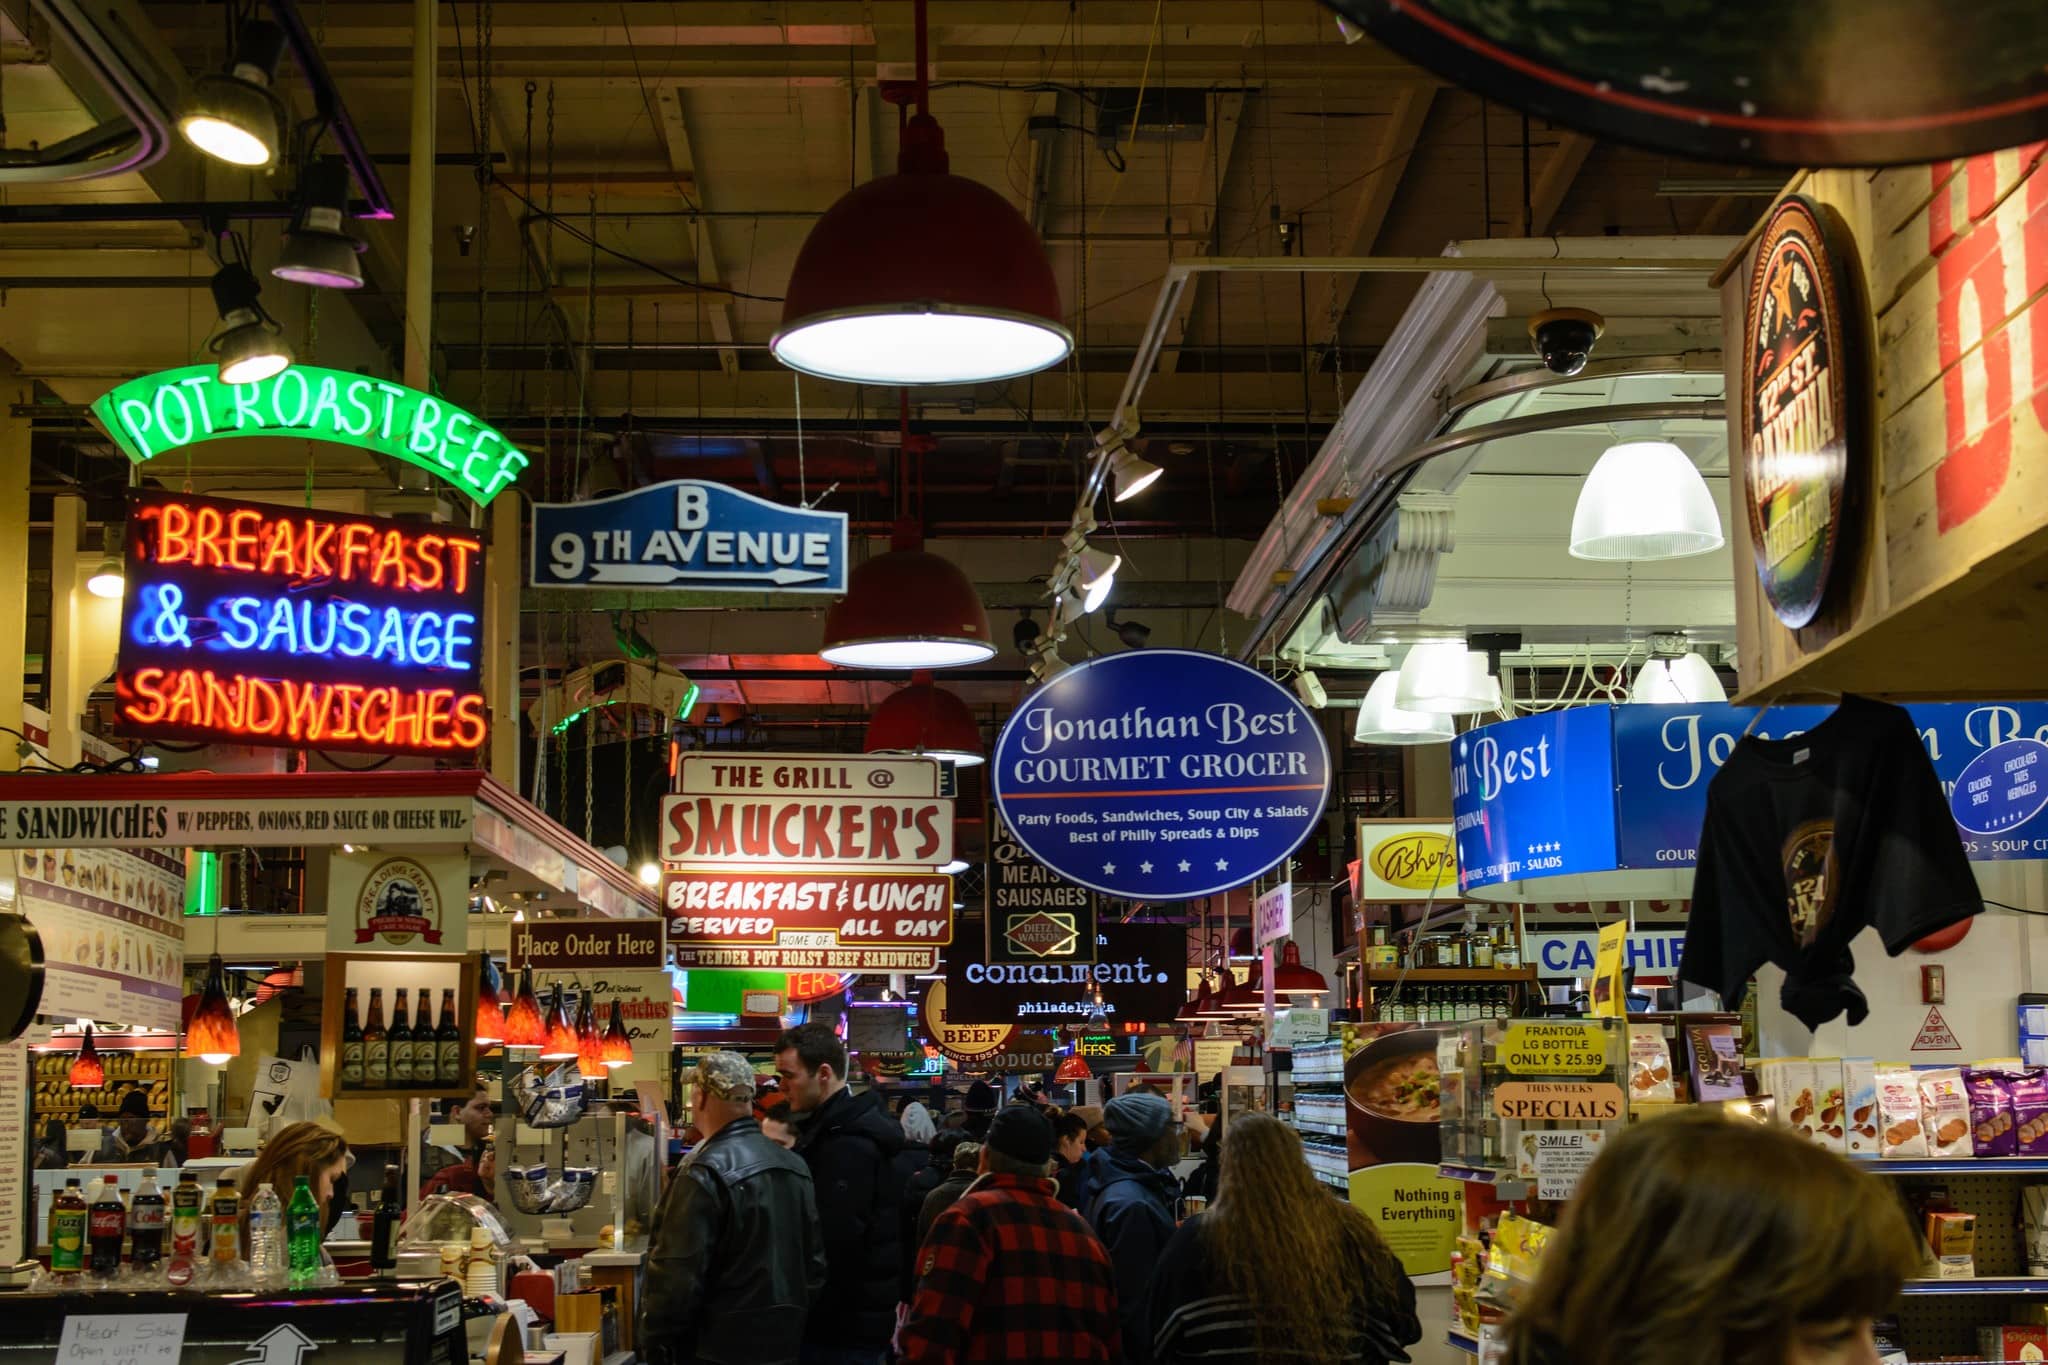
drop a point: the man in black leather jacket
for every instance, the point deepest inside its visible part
(738, 1256)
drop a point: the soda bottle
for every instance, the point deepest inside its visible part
(188, 1203)
(266, 1237)
(302, 1226)
(385, 1227)
(224, 1211)
(106, 1224)
(351, 1044)
(67, 1230)
(146, 1224)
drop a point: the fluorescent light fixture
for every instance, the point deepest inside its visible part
(922, 347)
(1644, 500)
(1380, 721)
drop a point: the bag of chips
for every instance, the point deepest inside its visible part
(1991, 1125)
(1945, 1112)
(1898, 1111)
(2029, 1090)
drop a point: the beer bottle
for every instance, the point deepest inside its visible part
(401, 1046)
(447, 1045)
(351, 1044)
(376, 1044)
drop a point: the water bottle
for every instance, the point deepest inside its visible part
(266, 1238)
(302, 1224)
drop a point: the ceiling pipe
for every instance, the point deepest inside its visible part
(132, 141)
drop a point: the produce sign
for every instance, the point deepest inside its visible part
(183, 407)
(1798, 423)
(1161, 774)
(270, 625)
(688, 534)
(1034, 914)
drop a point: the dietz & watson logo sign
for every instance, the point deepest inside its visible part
(1041, 934)
(1798, 424)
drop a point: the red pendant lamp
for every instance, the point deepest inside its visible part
(1073, 1067)
(561, 1035)
(1246, 998)
(525, 1028)
(907, 609)
(1215, 1007)
(589, 1043)
(1292, 979)
(1195, 1009)
(618, 1044)
(922, 277)
(925, 719)
(87, 1071)
(490, 1004)
(211, 1034)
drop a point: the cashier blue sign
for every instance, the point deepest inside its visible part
(688, 534)
(1161, 774)
(1534, 797)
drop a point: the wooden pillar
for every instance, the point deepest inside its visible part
(67, 698)
(14, 468)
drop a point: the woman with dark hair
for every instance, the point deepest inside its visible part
(54, 1153)
(1276, 1270)
(1703, 1240)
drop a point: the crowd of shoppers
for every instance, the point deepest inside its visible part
(1014, 1232)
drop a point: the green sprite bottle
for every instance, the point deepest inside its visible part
(302, 1231)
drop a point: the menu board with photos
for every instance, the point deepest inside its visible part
(112, 923)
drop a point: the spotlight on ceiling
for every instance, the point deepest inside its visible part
(251, 346)
(1130, 472)
(1047, 663)
(1134, 634)
(1025, 633)
(233, 115)
(318, 251)
(108, 580)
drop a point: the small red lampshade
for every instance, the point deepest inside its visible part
(1246, 998)
(1073, 1067)
(525, 1028)
(589, 1043)
(211, 1034)
(490, 1006)
(1242, 949)
(907, 609)
(1210, 1004)
(1291, 978)
(561, 1035)
(87, 1071)
(925, 719)
(618, 1044)
(1194, 1009)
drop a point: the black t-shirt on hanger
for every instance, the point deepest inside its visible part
(1809, 839)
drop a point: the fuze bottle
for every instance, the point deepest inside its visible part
(67, 1230)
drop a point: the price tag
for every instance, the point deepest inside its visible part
(1554, 1049)
(126, 1339)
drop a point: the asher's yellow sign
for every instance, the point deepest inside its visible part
(1406, 860)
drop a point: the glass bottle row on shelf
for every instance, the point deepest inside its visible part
(1444, 1004)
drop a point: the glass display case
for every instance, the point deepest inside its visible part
(1530, 1100)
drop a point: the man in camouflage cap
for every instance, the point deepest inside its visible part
(738, 1257)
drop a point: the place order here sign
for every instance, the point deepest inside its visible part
(807, 862)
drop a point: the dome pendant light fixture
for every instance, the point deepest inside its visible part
(1644, 500)
(922, 277)
(925, 719)
(1675, 675)
(1444, 678)
(1380, 721)
(251, 347)
(234, 116)
(318, 251)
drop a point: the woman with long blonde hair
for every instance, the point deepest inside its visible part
(308, 1149)
(1703, 1240)
(1277, 1270)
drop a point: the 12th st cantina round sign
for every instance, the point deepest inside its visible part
(1161, 774)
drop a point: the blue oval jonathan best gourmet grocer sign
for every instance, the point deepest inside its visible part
(1161, 774)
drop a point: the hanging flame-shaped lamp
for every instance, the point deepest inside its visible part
(589, 1043)
(87, 1071)
(212, 1035)
(525, 1029)
(618, 1044)
(490, 1006)
(561, 1035)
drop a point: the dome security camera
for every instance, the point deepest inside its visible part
(1564, 337)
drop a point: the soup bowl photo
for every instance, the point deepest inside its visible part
(1390, 1090)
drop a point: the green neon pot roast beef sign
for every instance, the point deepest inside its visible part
(173, 408)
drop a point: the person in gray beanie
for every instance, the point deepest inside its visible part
(1130, 1200)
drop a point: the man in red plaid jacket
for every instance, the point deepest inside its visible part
(1008, 1272)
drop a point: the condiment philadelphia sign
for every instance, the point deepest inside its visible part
(1161, 774)
(688, 534)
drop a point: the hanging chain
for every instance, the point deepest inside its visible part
(589, 764)
(485, 39)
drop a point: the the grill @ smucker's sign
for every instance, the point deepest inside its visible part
(1161, 774)
(824, 920)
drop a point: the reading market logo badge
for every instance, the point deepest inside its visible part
(1042, 933)
(1417, 860)
(1796, 417)
(399, 900)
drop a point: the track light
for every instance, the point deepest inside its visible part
(251, 348)
(1134, 634)
(1047, 663)
(1025, 633)
(318, 251)
(234, 116)
(1131, 472)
